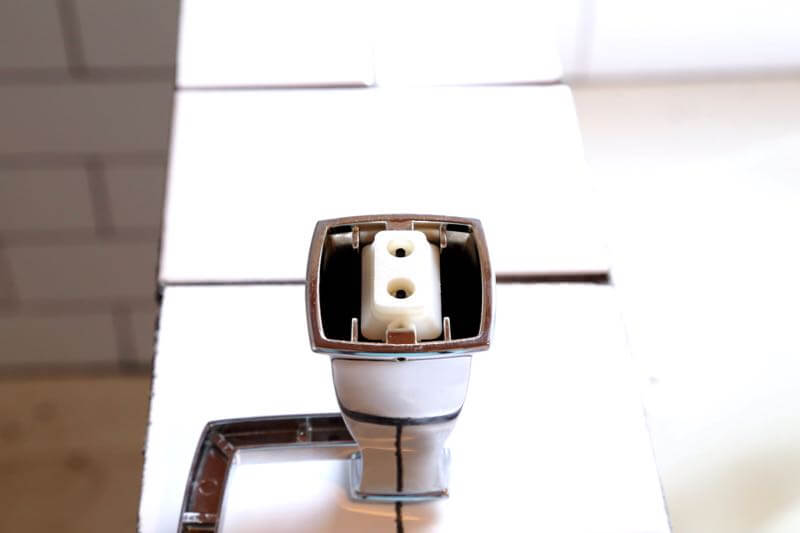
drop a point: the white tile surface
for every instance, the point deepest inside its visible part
(84, 117)
(454, 42)
(702, 185)
(630, 37)
(215, 339)
(572, 25)
(269, 42)
(143, 322)
(319, 43)
(44, 199)
(251, 173)
(141, 33)
(30, 36)
(136, 194)
(323, 488)
(676, 121)
(57, 339)
(557, 379)
(84, 271)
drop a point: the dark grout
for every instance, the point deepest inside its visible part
(78, 159)
(310, 87)
(20, 238)
(23, 76)
(656, 79)
(99, 75)
(45, 308)
(589, 277)
(123, 332)
(597, 277)
(71, 35)
(100, 197)
(21, 371)
(9, 296)
(233, 283)
(140, 73)
(351, 86)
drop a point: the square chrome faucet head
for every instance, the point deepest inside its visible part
(399, 302)
(399, 285)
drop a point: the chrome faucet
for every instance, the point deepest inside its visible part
(399, 302)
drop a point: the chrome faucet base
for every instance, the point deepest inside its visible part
(399, 303)
(401, 415)
(223, 440)
(356, 479)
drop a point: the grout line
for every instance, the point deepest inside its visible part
(71, 35)
(42, 308)
(520, 83)
(297, 87)
(225, 283)
(18, 371)
(22, 238)
(21, 76)
(100, 198)
(656, 78)
(593, 277)
(7, 285)
(44, 159)
(353, 86)
(123, 331)
(100, 75)
(596, 277)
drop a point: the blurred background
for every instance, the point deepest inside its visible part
(690, 113)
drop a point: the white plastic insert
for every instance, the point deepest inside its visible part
(400, 286)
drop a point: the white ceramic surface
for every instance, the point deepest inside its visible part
(706, 263)
(257, 43)
(245, 165)
(269, 43)
(462, 42)
(552, 435)
(626, 38)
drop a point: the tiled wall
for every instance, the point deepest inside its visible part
(601, 40)
(85, 107)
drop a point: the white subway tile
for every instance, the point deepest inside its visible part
(101, 270)
(57, 339)
(251, 172)
(136, 194)
(44, 199)
(30, 35)
(458, 42)
(84, 117)
(685, 36)
(141, 33)
(274, 42)
(357, 42)
(572, 20)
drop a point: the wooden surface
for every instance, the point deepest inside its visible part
(70, 453)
